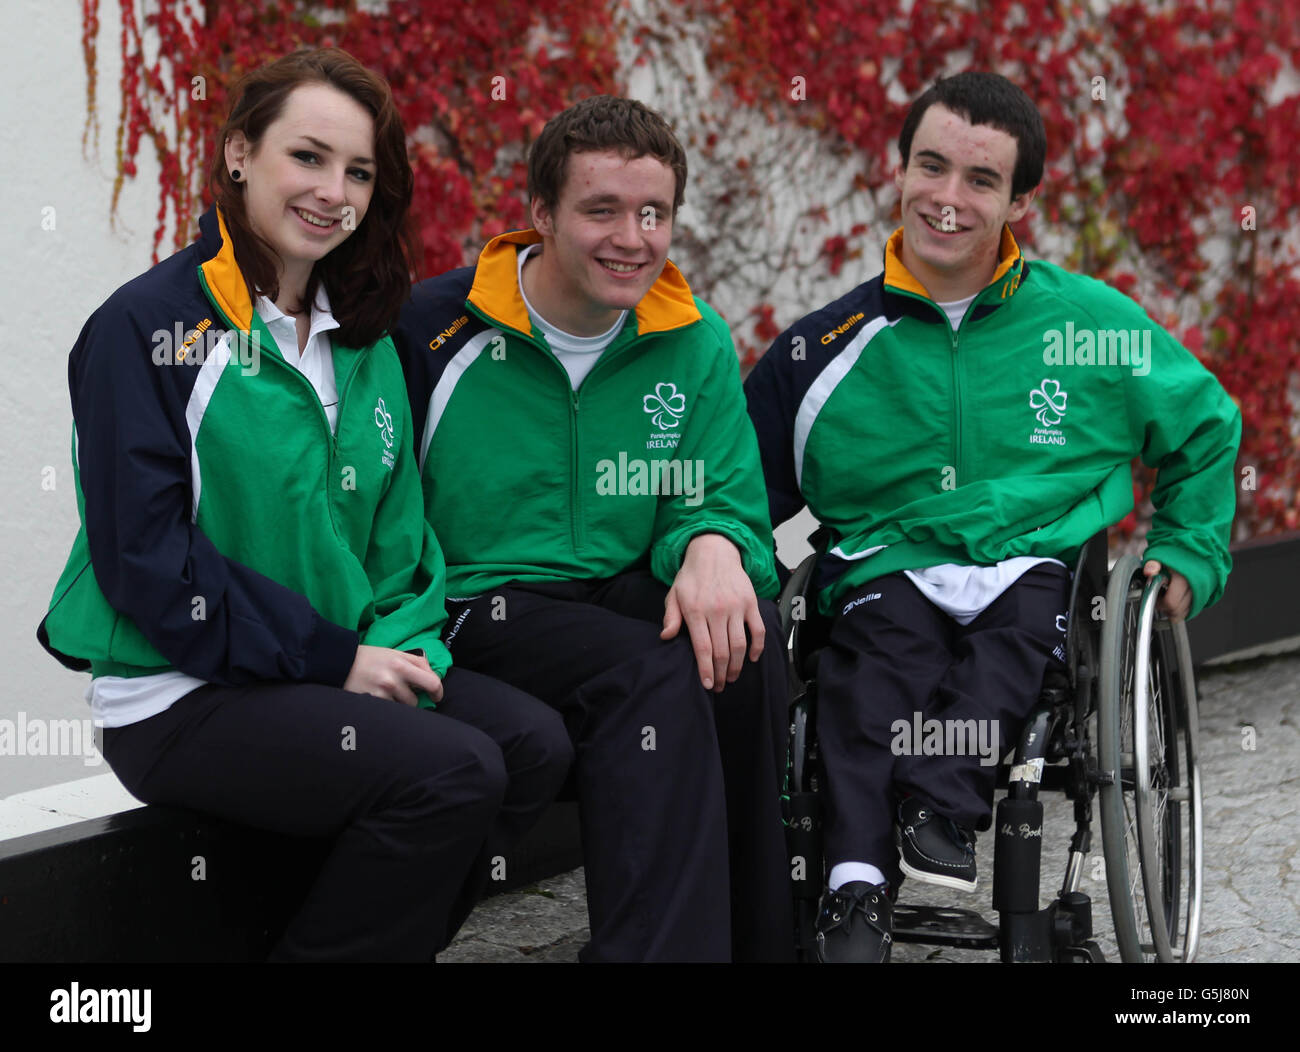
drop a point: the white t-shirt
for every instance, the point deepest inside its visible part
(956, 309)
(116, 701)
(965, 592)
(578, 354)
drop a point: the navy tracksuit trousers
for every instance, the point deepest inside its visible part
(894, 656)
(417, 802)
(678, 788)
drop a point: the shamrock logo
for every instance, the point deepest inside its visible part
(384, 421)
(667, 404)
(1049, 400)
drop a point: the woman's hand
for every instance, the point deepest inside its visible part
(392, 674)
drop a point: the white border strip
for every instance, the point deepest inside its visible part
(822, 388)
(210, 372)
(451, 375)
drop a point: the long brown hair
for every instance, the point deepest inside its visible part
(368, 276)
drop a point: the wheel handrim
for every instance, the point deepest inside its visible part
(1147, 812)
(1155, 771)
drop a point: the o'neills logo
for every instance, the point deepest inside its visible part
(449, 331)
(843, 327)
(192, 336)
(176, 346)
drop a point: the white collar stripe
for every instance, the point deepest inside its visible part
(447, 382)
(824, 386)
(211, 371)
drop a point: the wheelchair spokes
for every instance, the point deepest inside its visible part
(1120, 730)
(1151, 809)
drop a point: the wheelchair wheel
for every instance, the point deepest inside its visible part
(1151, 810)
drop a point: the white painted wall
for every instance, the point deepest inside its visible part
(50, 282)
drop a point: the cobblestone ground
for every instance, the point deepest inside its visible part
(1250, 775)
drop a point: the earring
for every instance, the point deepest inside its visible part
(235, 175)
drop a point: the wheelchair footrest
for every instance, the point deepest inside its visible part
(943, 926)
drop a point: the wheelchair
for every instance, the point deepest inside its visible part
(1119, 727)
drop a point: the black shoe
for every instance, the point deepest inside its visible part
(935, 849)
(855, 925)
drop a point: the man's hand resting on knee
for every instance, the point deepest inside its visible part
(392, 674)
(713, 595)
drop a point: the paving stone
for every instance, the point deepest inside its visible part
(1251, 905)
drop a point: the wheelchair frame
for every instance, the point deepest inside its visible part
(1120, 726)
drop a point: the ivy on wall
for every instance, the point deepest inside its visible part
(1171, 132)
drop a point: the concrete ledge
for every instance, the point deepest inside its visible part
(162, 884)
(66, 803)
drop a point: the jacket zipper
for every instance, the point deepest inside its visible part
(578, 517)
(575, 488)
(332, 446)
(958, 444)
(956, 377)
(956, 372)
(956, 399)
(576, 533)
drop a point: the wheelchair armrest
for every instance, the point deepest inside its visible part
(797, 584)
(795, 588)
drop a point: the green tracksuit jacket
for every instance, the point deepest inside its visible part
(917, 445)
(526, 479)
(224, 531)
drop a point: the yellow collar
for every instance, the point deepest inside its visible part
(899, 277)
(226, 282)
(667, 305)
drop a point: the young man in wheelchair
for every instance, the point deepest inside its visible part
(963, 423)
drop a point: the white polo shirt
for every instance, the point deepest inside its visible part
(316, 362)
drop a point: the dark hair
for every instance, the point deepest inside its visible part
(368, 276)
(986, 98)
(602, 122)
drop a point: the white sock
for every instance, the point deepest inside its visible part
(844, 872)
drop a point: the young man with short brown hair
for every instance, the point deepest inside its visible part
(594, 480)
